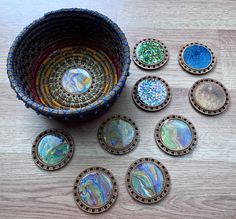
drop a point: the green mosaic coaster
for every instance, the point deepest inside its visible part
(150, 54)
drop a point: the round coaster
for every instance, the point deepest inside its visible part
(118, 135)
(147, 180)
(52, 149)
(175, 135)
(209, 97)
(151, 93)
(196, 58)
(150, 54)
(95, 190)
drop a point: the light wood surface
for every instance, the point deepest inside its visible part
(203, 182)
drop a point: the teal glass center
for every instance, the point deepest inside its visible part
(52, 149)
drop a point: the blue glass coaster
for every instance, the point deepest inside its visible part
(196, 58)
(52, 149)
(95, 190)
(147, 180)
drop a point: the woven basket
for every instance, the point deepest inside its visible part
(60, 40)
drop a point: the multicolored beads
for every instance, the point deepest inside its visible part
(209, 96)
(196, 58)
(52, 149)
(147, 180)
(175, 135)
(95, 190)
(118, 135)
(150, 54)
(151, 93)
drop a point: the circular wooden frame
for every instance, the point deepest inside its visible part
(146, 107)
(83, 206)
(165, 188)
(117, 151)
(67, 158)
(196, 71)
(160, 143)
(204, 111)
(151, 67)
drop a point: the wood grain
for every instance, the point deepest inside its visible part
(203, 182)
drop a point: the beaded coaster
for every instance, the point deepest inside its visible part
(209, 97)
(147, 180)
(196, 58)
(151, 93)
(175, 135)
(118, 135)
(150, 54)
(52, 149)
(95, 190)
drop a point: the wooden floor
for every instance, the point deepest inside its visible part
(203, 183)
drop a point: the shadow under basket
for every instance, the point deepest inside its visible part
(70, 64)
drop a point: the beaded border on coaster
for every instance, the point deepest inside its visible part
(173, 152)
(204, 111)
(195, 71)
(67, 158)
(146, 107)
(112, 199)
(155, 66)
(121, 151)
(165, 188)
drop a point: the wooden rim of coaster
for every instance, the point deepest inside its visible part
(96, 210)
(160, 143)
(196, 71)
(147, 107)
(118, 151)
(67, 158)
(204, 111)
(155, 198)
(155, 66)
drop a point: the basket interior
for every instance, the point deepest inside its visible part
(60, 47)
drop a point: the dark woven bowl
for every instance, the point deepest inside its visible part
(59, 41)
